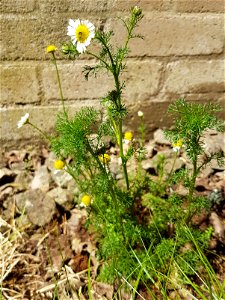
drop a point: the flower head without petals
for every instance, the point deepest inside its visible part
(128, 136)
(81, 33)
(177, 145)
(59, 164)
(24, 120)
(51, 49)
(86, 200)
(104, 158)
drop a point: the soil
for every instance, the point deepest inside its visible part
(42, 246)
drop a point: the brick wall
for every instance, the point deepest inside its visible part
(181, 56)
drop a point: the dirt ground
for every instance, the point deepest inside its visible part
(43, 239)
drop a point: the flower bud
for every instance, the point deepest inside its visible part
(137, 11)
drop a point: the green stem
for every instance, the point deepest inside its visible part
(39, 130)
(99, 58)
(120, 131)
(59, 83)
(193, 179)
(115, 71)
(124, 163)
(171, 171)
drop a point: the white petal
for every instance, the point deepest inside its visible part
(76, 23)
(88, 24)
(91, 27)
(71, 32)
(87, 42)
(71, 23)
(81, 47)
(92, 34)
(73, 40)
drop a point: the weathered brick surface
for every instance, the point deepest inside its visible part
(43, 117)
(175, 35)
(27, 38)
(146, 5)
(138, 85)
(74, 85)
(180, 56)
(215, 6)
(199, 76)
(74, 5)
(19, 84)
(142, 80)
(17, 6)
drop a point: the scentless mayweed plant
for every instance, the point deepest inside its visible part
(143, 228)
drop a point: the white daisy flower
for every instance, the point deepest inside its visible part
(81, 33)
(23, 120)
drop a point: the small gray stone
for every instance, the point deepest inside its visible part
(41, 179)
(61, 178)
(21, 200)
(41, 207)
(213, 142)
(61, 197)
(150, 148)
(50, 161)
(147, 164)
(23, 181)
(159, 137)
(172, 164)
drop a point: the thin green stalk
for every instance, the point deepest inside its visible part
(174, 161)
(113, 69)
(100, 59)
(59, 83)
(124, 164)
(193, 179)
(39, 130)
(120, 132)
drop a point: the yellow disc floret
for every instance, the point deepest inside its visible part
(178, 143)
(104, 158)
(59, 164)
(82, 33)
(51, 49)
(86, 200)
(128, 136)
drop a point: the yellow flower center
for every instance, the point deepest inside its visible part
(178, 143)
(86, 200)
(128, 136)
(82, 33)
(59, 164)
(51, 49)
(104, 158)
